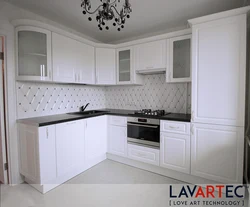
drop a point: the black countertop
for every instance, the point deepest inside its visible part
(56, 119)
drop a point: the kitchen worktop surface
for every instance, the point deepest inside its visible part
(60, 118)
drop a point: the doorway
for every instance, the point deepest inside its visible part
(3, 149)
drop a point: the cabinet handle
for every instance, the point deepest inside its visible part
(47, 133)
(86, 124)
(41, 70)
(50, 74)
(149, 67)
(172, 127)
(192, 116)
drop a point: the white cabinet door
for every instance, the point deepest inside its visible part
(33, 53)
(144, 154)
(69, 147)
(47, 154)
(218, 71)
(175, 152)
(28, 148)
(37, 146)
(151, 56)
(117, 140)
(63, 53)
(179, 64)
(95, 140)
(105, 66)
(217, 152)
(85, 63)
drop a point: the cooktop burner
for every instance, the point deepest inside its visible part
(150, 112)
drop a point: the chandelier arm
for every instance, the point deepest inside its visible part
(113, 2)
(121, 16)
(93, 11)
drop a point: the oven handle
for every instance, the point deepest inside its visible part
(143, 125)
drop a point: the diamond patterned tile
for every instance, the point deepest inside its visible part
(41, 99)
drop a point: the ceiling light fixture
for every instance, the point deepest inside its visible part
(108, 11)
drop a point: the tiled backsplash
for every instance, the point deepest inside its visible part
(154, 94)
(40, 99)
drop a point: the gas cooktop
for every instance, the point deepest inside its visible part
(149, 112)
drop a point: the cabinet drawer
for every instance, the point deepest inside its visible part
(175, 127)
(118, 120)
(144, 154)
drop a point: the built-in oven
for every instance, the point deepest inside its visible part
(144, 131)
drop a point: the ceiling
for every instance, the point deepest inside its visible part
(149, 17)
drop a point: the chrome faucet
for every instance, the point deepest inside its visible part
(84, 107)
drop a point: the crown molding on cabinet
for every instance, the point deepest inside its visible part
(220, 15)
(29, 22)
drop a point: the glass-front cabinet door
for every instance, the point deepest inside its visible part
(124, 65)
(33, 53)
(179, 68)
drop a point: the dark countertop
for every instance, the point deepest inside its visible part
(60, 118)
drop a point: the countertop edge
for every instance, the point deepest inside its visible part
(110, 113)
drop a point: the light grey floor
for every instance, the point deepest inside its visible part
(106, 184)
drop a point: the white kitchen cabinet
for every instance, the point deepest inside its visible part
(63, 53)
(219, 71)
(37, 147)
(151, 57)
(33, 52)
(117, 140)
(95, 140)
(105, 66)
(85, 63)
(126, 73)
(69, 147)
(175, 152)
(179, 64)
(217, 152)
(117, 135)
(144, 154)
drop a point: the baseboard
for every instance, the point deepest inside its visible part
(186, 178)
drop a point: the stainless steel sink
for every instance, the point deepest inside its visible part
(87, 112)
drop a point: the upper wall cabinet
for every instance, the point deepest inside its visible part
(63, 59)
(73, 61)
(33, 54)
(151, 57)
(85, 63)
(179, 64)
(105, 66)
(219, 71)
(125, 67)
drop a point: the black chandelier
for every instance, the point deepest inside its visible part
(107, 11)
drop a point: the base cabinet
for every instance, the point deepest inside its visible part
(175, 152)
(217, 152)
(69, 149)
(144, 154)
(117, 135)
(37, 153)
(95, 140)
(117, 140)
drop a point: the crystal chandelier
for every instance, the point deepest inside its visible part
(108, 11)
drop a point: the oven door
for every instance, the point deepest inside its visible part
(146, 134)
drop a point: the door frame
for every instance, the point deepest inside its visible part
(4, 118)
